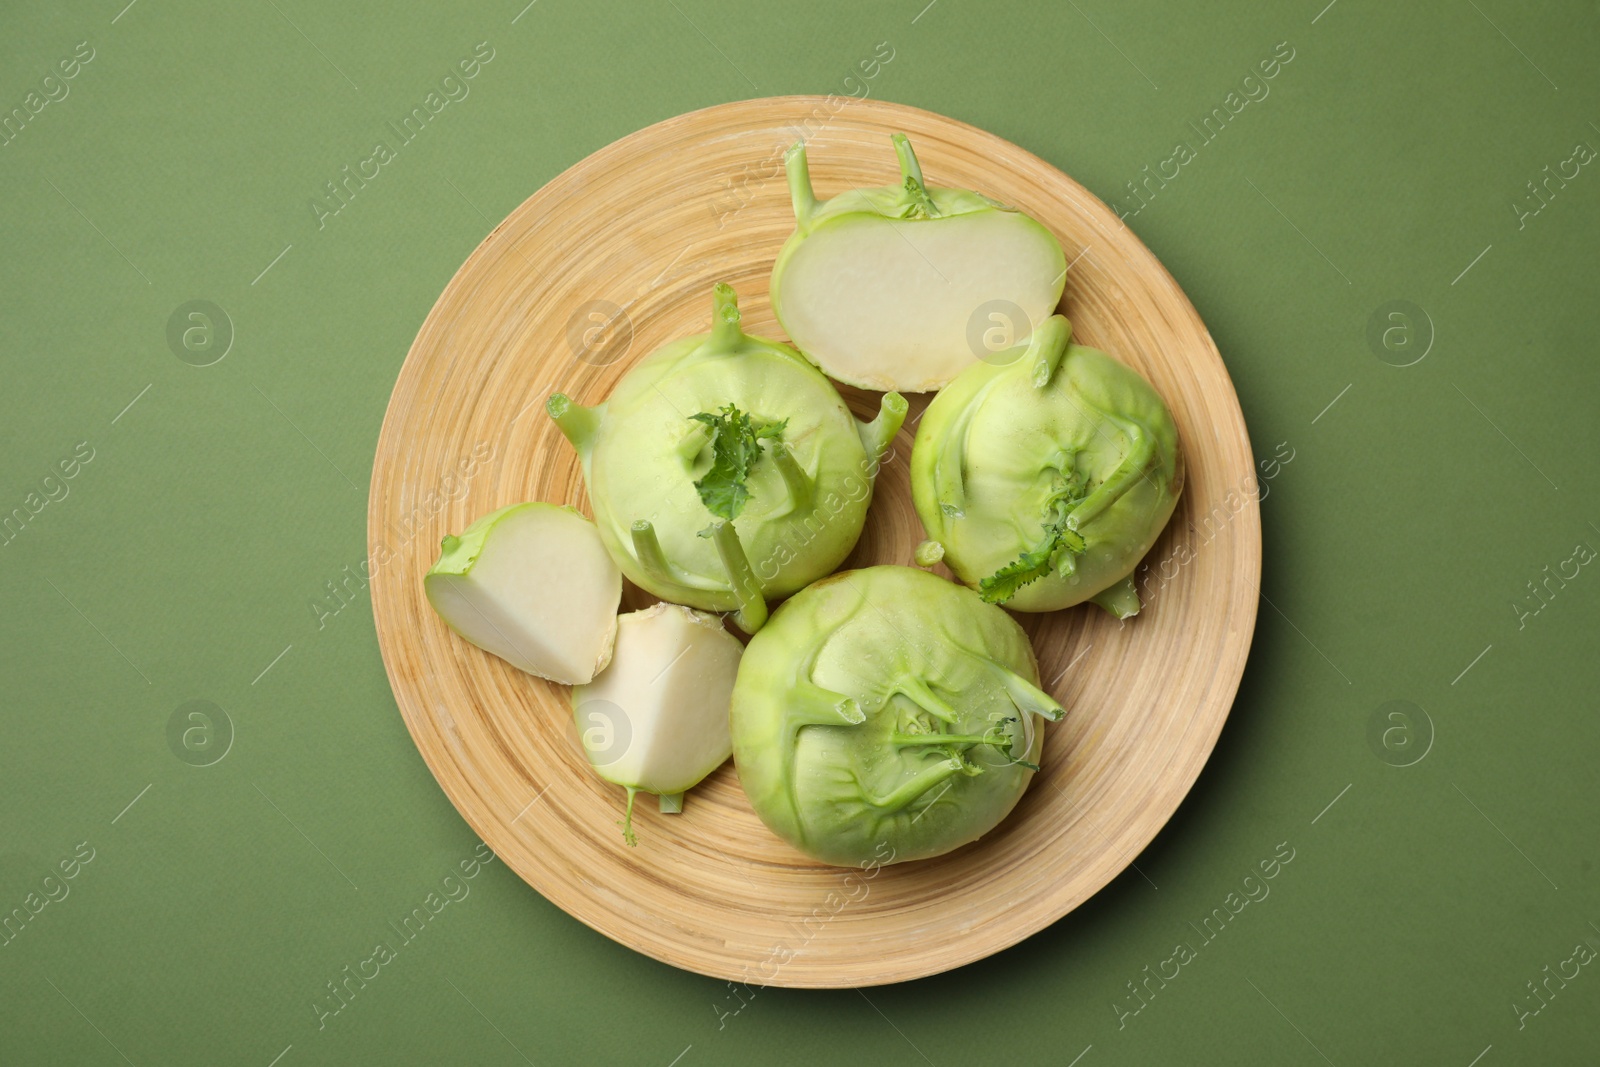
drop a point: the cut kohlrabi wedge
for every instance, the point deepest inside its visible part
(533, 584)
(905, 286)
(656, 720)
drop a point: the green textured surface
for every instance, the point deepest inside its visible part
(186, 554)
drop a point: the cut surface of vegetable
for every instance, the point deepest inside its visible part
(656, 720)
(903, 287)
(885, 715)
(534, 585)
(726, 470)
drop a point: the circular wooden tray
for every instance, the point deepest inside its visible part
(612, 259)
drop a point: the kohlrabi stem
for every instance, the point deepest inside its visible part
(725, 332)
(808, 704)
(916, 690)
(949, 475)
(647, 547)
(578, 423)
(910, 169)
(693, 442)
(671, 803)
(1045, 349)
(795, 479)
(905, 740)
(1026, 696)
(1004, 744)
(752, 614)
(1121, 599)
(877, 434)
(626, 822)
(800, 192)
(916, 785)
(1141, 450)
(915, 192)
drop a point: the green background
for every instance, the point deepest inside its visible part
(185, 557)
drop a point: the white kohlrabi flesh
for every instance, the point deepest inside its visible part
(656, 720)
(533, 584)
(905, 286)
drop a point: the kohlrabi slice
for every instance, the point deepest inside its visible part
(904, 287)
(1047, 474)
(656, 720)
(885, 715)
(725, 470)
(532, 584)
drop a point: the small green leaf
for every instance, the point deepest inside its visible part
(735, 447)
(1038, 561)
(1003, 584)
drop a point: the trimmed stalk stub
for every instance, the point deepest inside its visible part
(577, 423)
(724, 427)
(752, 613)
(899, 287)
(1047, 475)
(1121, 599)
(878, 435)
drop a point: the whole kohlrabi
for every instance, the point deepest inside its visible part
(895, 288)
(724, 469)
(886, 714)
(1047, 474)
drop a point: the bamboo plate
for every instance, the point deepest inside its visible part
(617, 256)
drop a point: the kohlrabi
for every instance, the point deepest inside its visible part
(1047, 474)
(656, 720)
(895, 288)
(887, 714)
(724, 469)
(532, 584)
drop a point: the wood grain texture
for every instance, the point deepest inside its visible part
(647, 225)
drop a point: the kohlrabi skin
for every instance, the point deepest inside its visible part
(725, 470)
(532, 584)
(1047, 474)
(897, 287)
(887, 714)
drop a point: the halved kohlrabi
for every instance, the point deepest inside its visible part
(656, 720)
(1047, 474)
(724, 469)
(532, 584)
(903, 287)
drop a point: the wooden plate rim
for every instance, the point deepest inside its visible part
(1233, 653)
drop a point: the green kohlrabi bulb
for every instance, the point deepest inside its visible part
(725, 470)
(886, 714)
(903, 287)
(1047, 474)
